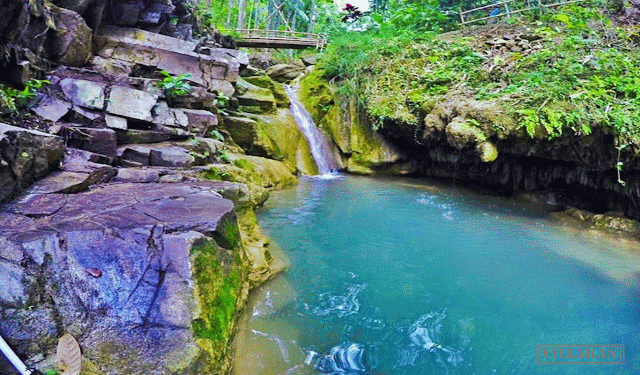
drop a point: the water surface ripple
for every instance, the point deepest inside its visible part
(395, 277)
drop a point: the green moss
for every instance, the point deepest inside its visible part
(316, 95)
(264, 81)
(218, 174)
(219, 282)
(244, 164)
(227, 234)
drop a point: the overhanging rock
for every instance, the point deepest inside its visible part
(215, 72)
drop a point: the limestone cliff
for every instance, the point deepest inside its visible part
(478, 142)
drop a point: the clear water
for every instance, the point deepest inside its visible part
(393, 277)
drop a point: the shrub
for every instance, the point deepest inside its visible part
(174, 86)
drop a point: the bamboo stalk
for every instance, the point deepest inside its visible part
(13, 358)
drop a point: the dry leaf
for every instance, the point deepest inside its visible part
(69, 355)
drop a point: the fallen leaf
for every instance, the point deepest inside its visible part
(93, 272)
(69, 355)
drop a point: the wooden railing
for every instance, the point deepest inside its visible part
(507, 9)
(280, 39)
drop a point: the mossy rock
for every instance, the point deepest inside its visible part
(254, 99)
(369, 150)
(275, 136)
(250, 135)
(460, 133)
(254, 171)
(488, 151)
(607, 221)
(264, 81)
(219, 277)
(316, 95)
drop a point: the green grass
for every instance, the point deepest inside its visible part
(587, 74)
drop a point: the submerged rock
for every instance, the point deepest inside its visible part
(603, 221)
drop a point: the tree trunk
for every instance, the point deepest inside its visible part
(256, 11)
(227, 24)
(312, 17)
(242, 12)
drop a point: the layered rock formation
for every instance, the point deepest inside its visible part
(126, 244)
(147, 277)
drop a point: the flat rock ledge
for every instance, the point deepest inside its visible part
(116, 267)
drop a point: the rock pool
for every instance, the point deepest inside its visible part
(395, 276)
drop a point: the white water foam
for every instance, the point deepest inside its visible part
(318, 144)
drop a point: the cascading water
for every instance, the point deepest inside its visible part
(318, 144)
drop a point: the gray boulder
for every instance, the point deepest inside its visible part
(131, 103)
(171, 157)
(25, 156)
(50, 108)
(137, 175)
(84, 93)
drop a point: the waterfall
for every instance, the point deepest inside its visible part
(318, 144)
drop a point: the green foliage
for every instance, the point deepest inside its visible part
(175, 86)
(587, 74)
(421, 16)
(221, 102)
(590, 78)
(218, 174)
(245, 164)
(301, 15)
(216, 135)
(413, 17)
(224, 157)
(15, 100)
(51, 372)
(392, 75)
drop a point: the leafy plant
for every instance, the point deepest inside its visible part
(215, 134)
(174, 86)
(15, 100)
(224, 157)
(221, 102)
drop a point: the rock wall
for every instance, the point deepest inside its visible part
(361, 150)
(477, 143)
(125, 244)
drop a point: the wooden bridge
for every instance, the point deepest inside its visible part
(505, 9)
(280, 39)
